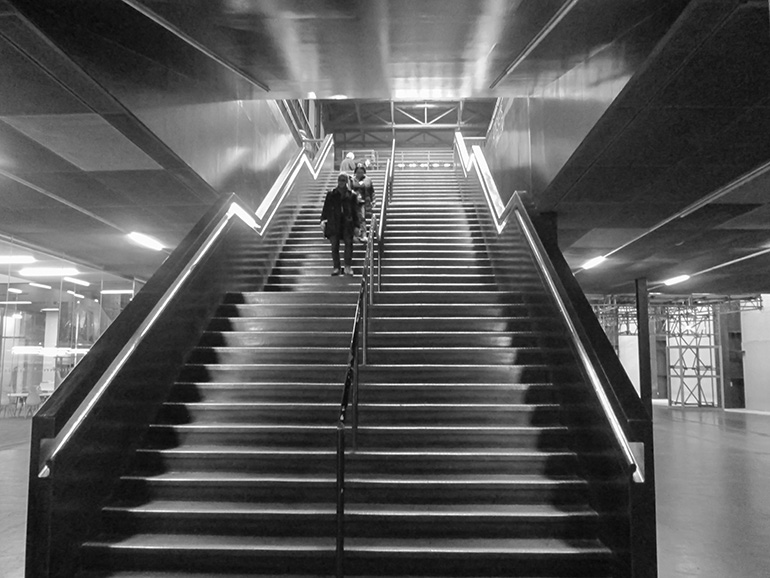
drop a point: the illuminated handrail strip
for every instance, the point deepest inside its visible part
(542, 261)
(101, 386)
(500, 214)
(285, 181)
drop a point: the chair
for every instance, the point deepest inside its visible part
(7, 407)
(33, 401)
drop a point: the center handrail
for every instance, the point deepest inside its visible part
(386, 194)
(349, 402)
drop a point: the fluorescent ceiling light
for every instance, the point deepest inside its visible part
(14, 290)
(594, 262)
(49, 309)
(48, 271)
(145, 241)
(117, 291)
(41, 285)
(16, 316)
(15, 302)
(338, 97)
(77, 281)
(50, 351)
(16, 259)
(78, 295)
(675, 280)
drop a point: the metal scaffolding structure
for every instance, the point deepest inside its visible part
(689, 328)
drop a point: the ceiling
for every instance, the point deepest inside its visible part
(79, 169)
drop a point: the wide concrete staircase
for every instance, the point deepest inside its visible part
(473, 423)
(237, 474)
(472, 418)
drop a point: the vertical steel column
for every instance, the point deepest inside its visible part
(643, 337)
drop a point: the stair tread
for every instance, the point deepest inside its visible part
(330, 508)
(299, 545)
(360, 478)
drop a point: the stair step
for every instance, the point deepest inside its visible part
(382, 520)
(257, 554)
(361, 488)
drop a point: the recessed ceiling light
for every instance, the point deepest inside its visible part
(594, 262)
(145, 241)
(48, 271)
(16, 259)
(14, 290)
(675, 280)
(77, 281)
(41, 285)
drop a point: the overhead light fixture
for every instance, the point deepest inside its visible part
(48, 271)
(16, 316)
(16, 259)
(338, 97)
(675, 280)
(117, 292)
(77, 281)
(311, 95)
(47, 309)
(15, 302)
(41, 285)
(14, 290)
(591, 263)
(78, 295)
(145, 241)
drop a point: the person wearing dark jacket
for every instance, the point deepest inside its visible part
(339, 221)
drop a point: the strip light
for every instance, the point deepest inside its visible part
(51, 351)
(17, 259)
(15, 302)
(591, 263)
(48, 271)
(675, 280)
(77, 281)
(14, 290)
(48, 309)
(78, 295)
(117, 292)
(145, 241)
(41, 285)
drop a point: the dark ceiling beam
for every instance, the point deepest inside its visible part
(162, 22)
(561, 13)
(405, 126)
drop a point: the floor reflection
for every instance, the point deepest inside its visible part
(713, 482)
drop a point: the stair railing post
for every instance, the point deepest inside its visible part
(364, 321)
(340, 551)
(355, 404)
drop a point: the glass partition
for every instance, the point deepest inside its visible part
(52, 312)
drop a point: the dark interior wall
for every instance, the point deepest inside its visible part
(532, 136)
(213, 119)
(235, 146)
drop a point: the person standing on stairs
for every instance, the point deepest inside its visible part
(362, 186)
(348, 164)
(340, 222)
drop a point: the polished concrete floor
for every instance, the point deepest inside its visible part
(713, 484)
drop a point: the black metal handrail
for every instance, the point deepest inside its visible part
(629, 422)
(386, 194)
(349, 402)
(136, 359)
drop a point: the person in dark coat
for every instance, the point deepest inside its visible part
(339, 221)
